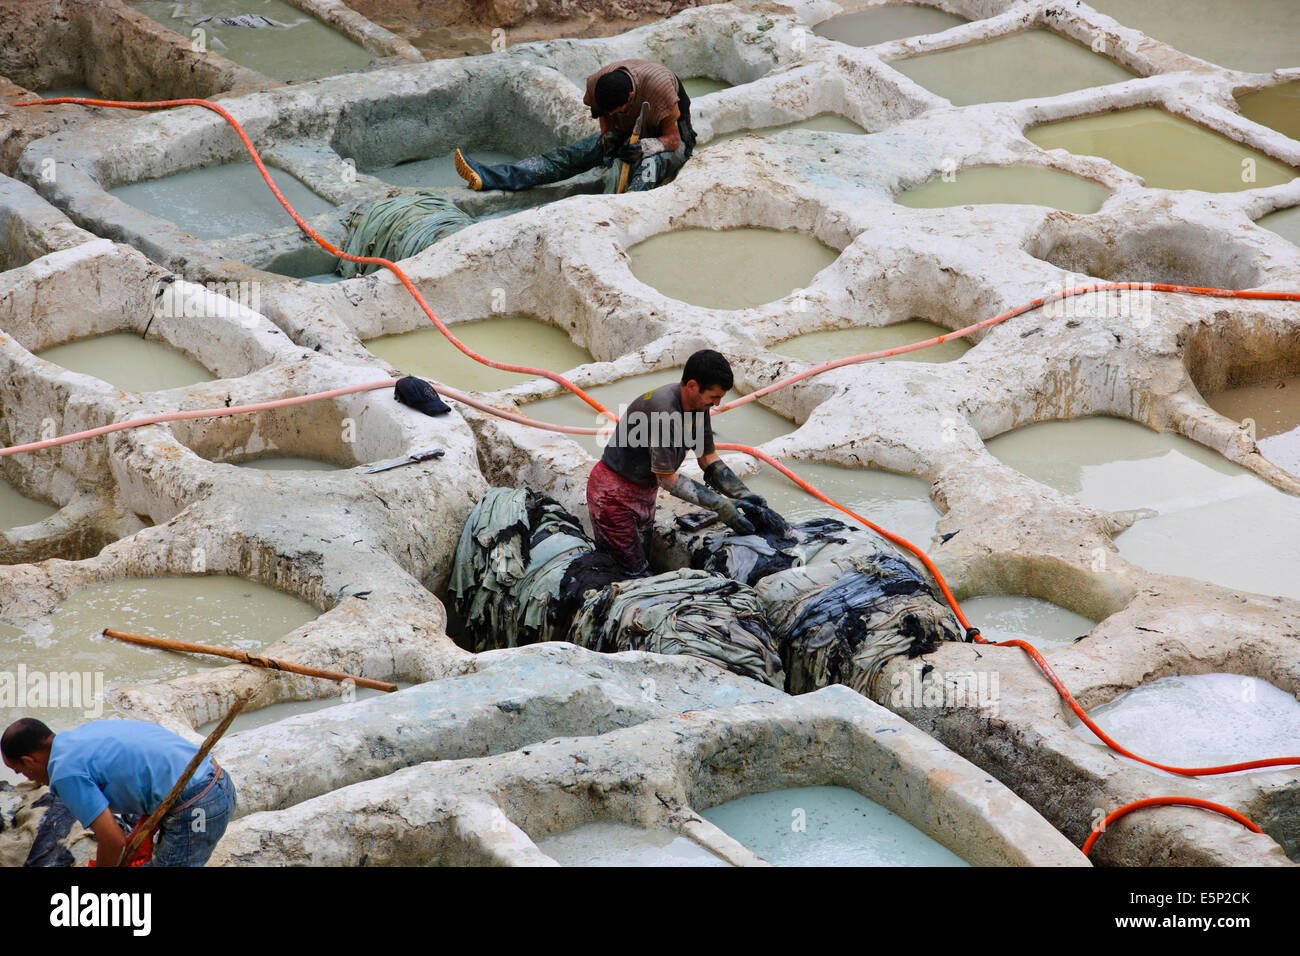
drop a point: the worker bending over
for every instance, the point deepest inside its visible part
(644, 453)
(615, 94)
(126, 767)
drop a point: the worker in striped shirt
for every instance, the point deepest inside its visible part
(615, 95)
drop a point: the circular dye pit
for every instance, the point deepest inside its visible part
(821, 123)
(826, 826)
(1215, 521)
(617, 844)
(217, 609)
(729, 268)
(438, 172)
(898, 503)
(513, 339)
(1205, 720)
(1275, 409)
(1016, 185)
(1011, 617)
(1168, 152)
(750, 424)
(1031, 63)
(840, 343)
(303, 49)
(884, 23)
(128, 361)
(217, 202)
(17, 510)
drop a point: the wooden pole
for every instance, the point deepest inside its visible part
(632, 141)
(243, 657)
(145, 829)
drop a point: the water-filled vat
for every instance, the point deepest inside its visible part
(216, 202)
(1277, 107)
(826, 826)
(617, 844)
(287, 463)
(697, 86)
(1259, 37)
(1007, 617)
(898, 503)
(1202, 720)
(1027, 185)
(1024, 65)
(131, 363)
(729, 268)
(305, 50)
(514, 339)
(883, 23)
(1167, 151)
(1216, 521)
(1275, 409)
(16, 509)
(1285, 222)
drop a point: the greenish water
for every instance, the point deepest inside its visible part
(1277, 107)
(129, 362)
(1285, 222)
(617, 844)
(1006, 617)
(1254, 35)
(826, 826)
(729, 268)
(221, 201)
(1215, 520)
(1022, 185)
(305, 50)
(17, 510)
(898, 503)
(841, 343)
(288, 464)
(512, 339)
(697, 86)
(1024, 65)
(1166, 151)
(881, 24)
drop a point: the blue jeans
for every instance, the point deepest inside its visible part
(565, 161)
(188, 837)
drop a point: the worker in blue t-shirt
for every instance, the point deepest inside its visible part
(126, 767)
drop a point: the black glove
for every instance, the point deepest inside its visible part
(688, 489)
(723, 479)
(633, 153)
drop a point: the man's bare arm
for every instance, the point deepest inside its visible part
(109, 837)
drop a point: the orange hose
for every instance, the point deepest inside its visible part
(972, 633)
(1164, 802)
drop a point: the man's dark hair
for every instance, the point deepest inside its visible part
(23, 738)
(611, 92)
(708, 368)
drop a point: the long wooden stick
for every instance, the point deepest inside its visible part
(145, 829)
(270, 663)
(632, 141)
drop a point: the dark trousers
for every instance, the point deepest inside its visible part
(565, 161)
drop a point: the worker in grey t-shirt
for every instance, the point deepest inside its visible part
(643, 455)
